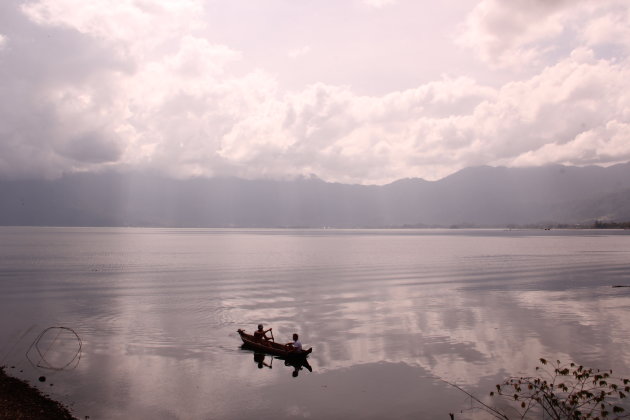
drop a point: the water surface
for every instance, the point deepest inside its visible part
(390, 314)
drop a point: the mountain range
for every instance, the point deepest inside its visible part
(479, 196)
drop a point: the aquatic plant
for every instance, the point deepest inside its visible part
(561, 392)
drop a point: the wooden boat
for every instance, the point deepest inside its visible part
(270, 347)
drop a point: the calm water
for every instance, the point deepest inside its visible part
(389, 314)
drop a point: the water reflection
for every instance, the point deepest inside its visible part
(259, 359)
(298, 365)
(263, 361)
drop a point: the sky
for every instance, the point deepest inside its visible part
(352, 91)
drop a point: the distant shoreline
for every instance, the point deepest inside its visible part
(597, 225)
(19, 400)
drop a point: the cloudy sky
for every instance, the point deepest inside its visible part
(356, 91)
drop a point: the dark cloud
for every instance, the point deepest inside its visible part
(92, 147)
(39, 66)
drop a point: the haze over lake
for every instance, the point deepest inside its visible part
(389, 313)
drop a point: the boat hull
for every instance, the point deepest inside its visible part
(270, 347)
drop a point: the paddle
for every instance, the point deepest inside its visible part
(272, 339)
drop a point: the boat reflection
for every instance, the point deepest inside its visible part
(298, 365)
(266, 361)
(259, 359)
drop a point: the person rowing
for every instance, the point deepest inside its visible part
(261, 334)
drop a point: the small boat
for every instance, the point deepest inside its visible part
(270, 347)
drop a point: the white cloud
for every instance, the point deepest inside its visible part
(505, 33)
(561, 108)
(172, 101)
(610, 143)
(610, 28)
(146, 22)
(523, 32)
(379, 3)
(3, 41)
(299, 52)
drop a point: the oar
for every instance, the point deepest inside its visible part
(272, 339)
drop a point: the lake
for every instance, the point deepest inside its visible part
(390, 314)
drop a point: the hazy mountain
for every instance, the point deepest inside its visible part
(481, 196)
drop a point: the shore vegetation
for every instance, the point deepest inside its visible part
(559, 392)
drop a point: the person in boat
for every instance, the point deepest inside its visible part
(295, 346)
(261, 334)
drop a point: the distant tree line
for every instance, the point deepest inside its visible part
(611, 225)
(597, 224)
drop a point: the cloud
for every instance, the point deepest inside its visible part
(298, 52)
(610, 28)
(92, 85)
(608, 143)
(144, 23)
(551, 115)
(101, 98)
(522, 32)
(379, 3)
(91, 148)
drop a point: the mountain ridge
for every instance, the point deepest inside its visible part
(482, 196)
